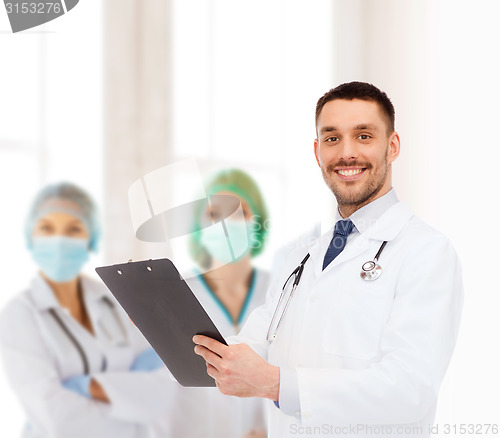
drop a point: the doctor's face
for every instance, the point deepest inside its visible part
(355, 152)
(60, 224)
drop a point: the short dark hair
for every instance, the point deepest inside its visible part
(362, 91)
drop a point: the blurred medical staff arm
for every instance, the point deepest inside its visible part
(145, 389)
(33, 376)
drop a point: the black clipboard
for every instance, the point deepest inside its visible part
(166, 311)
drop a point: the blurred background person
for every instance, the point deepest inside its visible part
(78, 365)
(228, 292)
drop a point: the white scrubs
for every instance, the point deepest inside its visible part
(38, 355)
(205, 412)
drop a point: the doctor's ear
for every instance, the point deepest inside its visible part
(316, 151)
(394, 147)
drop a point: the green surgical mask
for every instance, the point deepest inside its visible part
(214, 240)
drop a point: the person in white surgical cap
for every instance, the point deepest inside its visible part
(78, 365)
(229, 288)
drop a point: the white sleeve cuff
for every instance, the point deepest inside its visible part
(289, 398)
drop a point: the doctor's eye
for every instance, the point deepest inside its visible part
(331, 139)
(364, 136)
(46, 228)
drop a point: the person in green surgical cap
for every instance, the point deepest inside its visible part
(229, 287)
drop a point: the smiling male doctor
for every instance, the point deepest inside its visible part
(352, 357)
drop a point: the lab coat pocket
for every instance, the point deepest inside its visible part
(355, 321)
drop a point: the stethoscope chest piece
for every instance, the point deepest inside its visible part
(370, 271)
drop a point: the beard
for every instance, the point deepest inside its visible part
(348, 193)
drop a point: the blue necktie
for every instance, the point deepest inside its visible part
(337, 244)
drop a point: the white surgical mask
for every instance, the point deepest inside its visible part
(214, 240)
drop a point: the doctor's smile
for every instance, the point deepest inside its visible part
(349, 172)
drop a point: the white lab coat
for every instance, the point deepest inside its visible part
(366, 354)
(38, 355)
(205, 412)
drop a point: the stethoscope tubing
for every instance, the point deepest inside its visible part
(297, 272)
(375, 259)
(78, 346)
(73, 340)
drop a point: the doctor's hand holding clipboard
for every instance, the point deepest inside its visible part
(360, 324)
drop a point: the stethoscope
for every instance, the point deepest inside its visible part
(370, 271)
(78, 346)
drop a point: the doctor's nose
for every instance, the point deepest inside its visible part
(348, 150)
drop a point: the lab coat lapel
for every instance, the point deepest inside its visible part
(355, 248)
(390, 223)
(41, 294)
(92, 299)
(318, 250)
(386, 228)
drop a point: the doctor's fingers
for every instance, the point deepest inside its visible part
(224, 385)
(211, 344)
(212, 372)
(209, 356)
